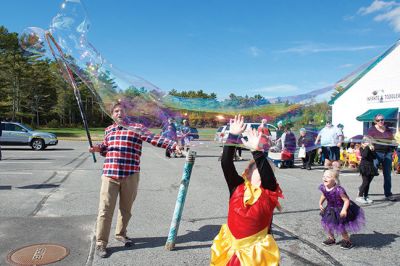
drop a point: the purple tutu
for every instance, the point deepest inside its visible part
(331, 220)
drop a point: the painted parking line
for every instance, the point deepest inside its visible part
(24, 162)
(15, 173)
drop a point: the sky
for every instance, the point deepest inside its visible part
(268, 47)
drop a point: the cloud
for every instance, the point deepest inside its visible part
(321, 48)
(388, 11)
(377, 6)
(254, 51)
(280, 88)
(393, 17)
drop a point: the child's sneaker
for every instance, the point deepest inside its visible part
(361, 200)
(368, 200)
(346, 244)
(329, 242)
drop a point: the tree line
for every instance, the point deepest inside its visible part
(33, 91)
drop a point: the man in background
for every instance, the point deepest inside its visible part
(331, 139)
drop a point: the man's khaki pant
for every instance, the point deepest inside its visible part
(110, 188)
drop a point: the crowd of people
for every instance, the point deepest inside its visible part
(246, 238)
(376, 150)
(181, 133)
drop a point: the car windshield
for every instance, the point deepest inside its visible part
(28, 128)
(254, 126)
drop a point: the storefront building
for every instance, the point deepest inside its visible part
(375, 90)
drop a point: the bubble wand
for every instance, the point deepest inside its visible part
(68, 76)
(180, 200)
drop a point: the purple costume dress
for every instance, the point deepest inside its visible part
(331, 220)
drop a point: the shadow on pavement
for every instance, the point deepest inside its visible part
(204, 234)
(376, 240)
(39, 186)
(30, 149)
(299, 211)
(208, 156)
(29, 159)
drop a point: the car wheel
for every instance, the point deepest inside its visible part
(279, 165)
(37, 144)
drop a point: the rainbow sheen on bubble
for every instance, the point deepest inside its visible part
(33, 40)
(145, 102)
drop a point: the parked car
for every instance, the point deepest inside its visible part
(194, 133)
(15, 133)
(222, 132)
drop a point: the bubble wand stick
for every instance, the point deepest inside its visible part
(180, 200)
(70, 79)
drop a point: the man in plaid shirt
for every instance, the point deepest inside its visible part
(122, 147)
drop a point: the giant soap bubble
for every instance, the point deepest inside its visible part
(144, 102)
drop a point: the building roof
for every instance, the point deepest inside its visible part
(363, 72)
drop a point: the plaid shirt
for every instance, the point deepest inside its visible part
(123, 148)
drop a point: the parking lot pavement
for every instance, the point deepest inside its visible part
(51, 196)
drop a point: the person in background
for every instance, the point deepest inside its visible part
(397, 138)
(383, 140)
(265, 140)
(331, 139)
(397, 167)
(312, 133)
(279, 131)
(340, 127)
(169, 131)
(307, 142)
(367, 170)
(288, 140)
(186, 137)
(357, 151)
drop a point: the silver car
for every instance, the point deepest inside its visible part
(222, 132)
(14, 133)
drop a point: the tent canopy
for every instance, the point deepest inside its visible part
(389, 114)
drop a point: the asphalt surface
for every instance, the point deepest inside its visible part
(51, 196)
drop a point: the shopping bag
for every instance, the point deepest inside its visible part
(286, 155)
(302, 152)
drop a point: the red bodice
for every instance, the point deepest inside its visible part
(244, 221)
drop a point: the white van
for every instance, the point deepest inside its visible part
(222, 132)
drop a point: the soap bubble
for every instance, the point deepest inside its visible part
(33, 40)
(146, 103)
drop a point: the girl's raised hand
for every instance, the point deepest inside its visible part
(237, 125)
(253, 140)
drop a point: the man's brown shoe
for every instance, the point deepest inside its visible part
(128, 242)
(101, 251)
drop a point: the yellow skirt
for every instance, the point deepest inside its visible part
(259, 249)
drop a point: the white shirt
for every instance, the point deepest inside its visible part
(330, 136)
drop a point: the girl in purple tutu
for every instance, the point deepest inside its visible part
(341, 215)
